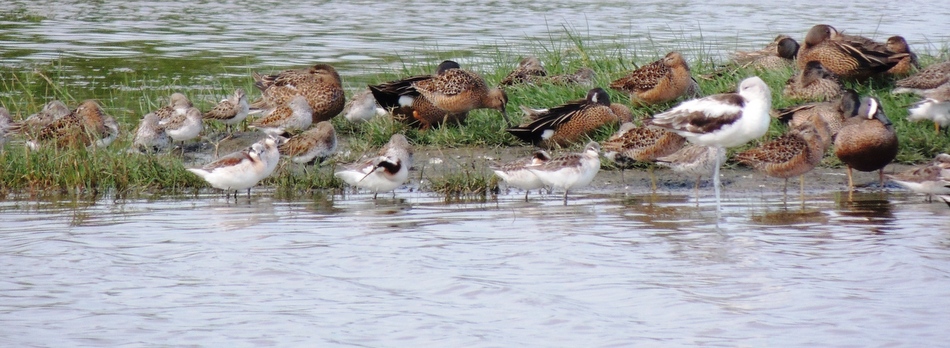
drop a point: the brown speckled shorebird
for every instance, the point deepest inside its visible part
(568, 123)
(906, 65)
(931, 77)
(528, 68)
(658, 82)
(52, 111)
(405, 103)
(693, 160)
(792, 154)
(867, 141)
(831, 113)
(778, 54)
(311, 146)
(230, 111)
(640, 144)
(320, 84)
(295, 115)
(850, 57)
(82, 127)
(813, 83)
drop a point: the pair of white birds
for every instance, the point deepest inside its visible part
(719, 121)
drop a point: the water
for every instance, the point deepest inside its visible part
(606, 270)
(609, 269)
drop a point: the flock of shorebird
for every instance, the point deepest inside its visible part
(297, 106)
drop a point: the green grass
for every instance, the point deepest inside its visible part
(131, 92)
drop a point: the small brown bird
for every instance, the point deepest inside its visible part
(867, 141)
(696, 160)
(658, 82)
(528, 68)
(52, 111)
(930, 179)
(581, 77)
(813, 83)
(792, 154)
(230, 111)
(569, 123)
(929, 78)
(640, 144)
(906, 65)
(82, 127)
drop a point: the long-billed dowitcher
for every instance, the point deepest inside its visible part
(242, 169)
(385, 172)
(320, 85)
(867, 141)
(658, 82)
(931, 77)
(568, 123)
(458, 91)
(516, 173)
(846, 56)
(295, 115)
(82, 127)
(721, 120)
(792, 154)
(230, 111)
(528, 68)
(935, 107)
(813, 83)
(311, 146)
(570, 171)
(633, 144)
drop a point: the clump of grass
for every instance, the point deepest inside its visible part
(464, 184)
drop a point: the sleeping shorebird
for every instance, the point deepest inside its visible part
(362, 107)
(82, 127)
(573, 121)
(929, 78)
(867, 141)
(242, 169)
(149, 137)
(721, 120)
(640, 144)
(935, 107)
(516, 173)
(581, 77)
(320, 85)
(295, 115)
(385, 172)
(932, 179)
(658, 82)
(569, 171)
(230, 111)
(111, 133)
(778, 54)
(182, 127)
(311, 146)
(52, 111)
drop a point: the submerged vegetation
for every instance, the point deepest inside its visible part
(127, 93)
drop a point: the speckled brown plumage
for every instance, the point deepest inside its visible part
(311, 146)
(929, 78)
(320, 85)
(794, 153)
(813, 83)
(867, 141)
(906, 65)
(658, 82)
(52, 111)
(568, 123)
(82, 127)
(644, 144)
(778, 54)
(458, 91)
(406, 104)
(528, 68)
(846, 56)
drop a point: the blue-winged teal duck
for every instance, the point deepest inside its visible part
(813, 83)
(906, 65)
(844, 55)
(320, 85)
(528, 69)
(867, 141)
(572, 121)
(830, 113)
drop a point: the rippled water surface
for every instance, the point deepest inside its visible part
(606, 270)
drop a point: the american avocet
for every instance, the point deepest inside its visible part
(721, 120)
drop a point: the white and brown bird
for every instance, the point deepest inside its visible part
(320, 85)
(570, 171)
(149, 137)
(516, 173)
(230, 111)
(6, 123)
(242, 169)
(295, 115)
(384, 172)
(311, 146)
(182, 127)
